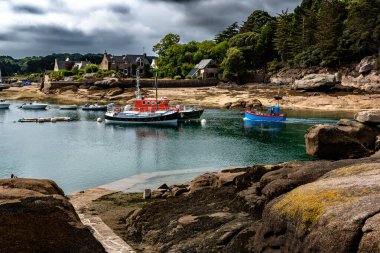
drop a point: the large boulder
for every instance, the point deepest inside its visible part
(337, 213)
(35, 216)
(346, 139)
(315, 82)
(114, 92)
(368, 117)
(368, 83)
(106, 82)
(366, 65)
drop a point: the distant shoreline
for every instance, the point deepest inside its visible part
(210, 97)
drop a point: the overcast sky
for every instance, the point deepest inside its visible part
(42, 27)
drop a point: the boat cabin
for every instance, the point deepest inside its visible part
(152, 105)
(273, 110)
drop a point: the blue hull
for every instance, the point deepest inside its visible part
(265, 117)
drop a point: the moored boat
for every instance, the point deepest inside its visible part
(145, 111)
(34, 106)
(68, 107)
(94, 107)
(4, 104)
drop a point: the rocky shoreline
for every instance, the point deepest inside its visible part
(288, 207)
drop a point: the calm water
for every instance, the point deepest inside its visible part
(84, 154)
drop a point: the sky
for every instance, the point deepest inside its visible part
(42, 27)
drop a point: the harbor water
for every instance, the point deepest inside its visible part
(84, 154)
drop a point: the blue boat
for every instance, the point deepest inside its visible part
(273, 113)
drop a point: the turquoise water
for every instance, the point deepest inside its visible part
(83, 154)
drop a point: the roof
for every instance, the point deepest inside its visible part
(201, 65)
(131, 58)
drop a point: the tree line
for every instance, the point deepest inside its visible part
(38, 64)
(327, 33)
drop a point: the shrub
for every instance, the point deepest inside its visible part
(188, 77)
(199, 78)
(91, 68)
(177, 77)
(78, 77)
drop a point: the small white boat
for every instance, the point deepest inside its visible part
(68, 107)
(94, 107)
(33, 106)
(4, 105)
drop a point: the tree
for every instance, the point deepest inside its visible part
(256, 21)
(284, 40)
(168, 41)
(361, 33)
(233, 65)
(227, 33)
(330, 28)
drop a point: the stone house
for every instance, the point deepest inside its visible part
(206, 68)
(125, 63)
(68, 65)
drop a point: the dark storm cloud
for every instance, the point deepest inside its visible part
(7, 36)
(120, 9)
(119, 26)
(28, 9)
(55, 36)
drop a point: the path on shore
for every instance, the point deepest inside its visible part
(104, 234)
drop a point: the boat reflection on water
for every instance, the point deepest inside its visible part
(269, 127)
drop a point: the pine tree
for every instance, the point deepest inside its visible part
(330, 28)
(284, 36)
(227, 33)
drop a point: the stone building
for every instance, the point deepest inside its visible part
(125, 63)
(68, 65)
(206, 68)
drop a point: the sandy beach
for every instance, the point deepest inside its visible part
(210, 97)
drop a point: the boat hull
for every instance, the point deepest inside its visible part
(191, 115)
(68, 107)
(94, 108)
(171, 118)
(34, 107)
(4, 106)
(264, 117)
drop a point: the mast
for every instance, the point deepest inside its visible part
(156, 84)
(139, 64)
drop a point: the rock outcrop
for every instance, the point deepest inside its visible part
(368, 117)
(35, 216)
(337, 213)
(346, 139)
(315, 82)
(366, 65)
(288, 207)
(366, 76)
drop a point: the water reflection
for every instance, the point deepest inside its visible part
(263, 126)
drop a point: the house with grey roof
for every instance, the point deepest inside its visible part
(125, 63)
(206, 68)
(68, 65)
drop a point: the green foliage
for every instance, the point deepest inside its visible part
(256, 21)
(91, 68)
(234, 64)
(227, 33)
(284, 41)
(330, 28)
(188, 77)
(361, 34)
(177, 78)
(168, 41)
(66, 73)
(199, 78)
